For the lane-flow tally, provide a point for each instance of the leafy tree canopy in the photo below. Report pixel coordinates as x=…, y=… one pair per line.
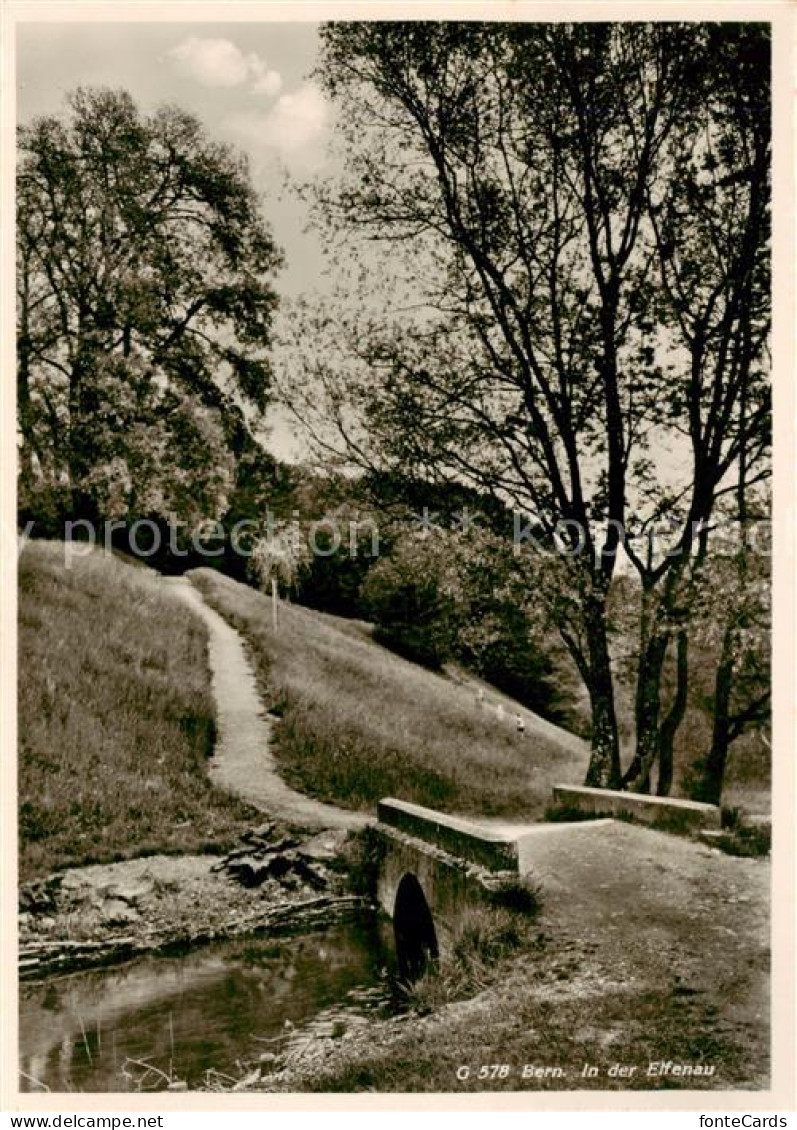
x=583, y=210
x=145, y=304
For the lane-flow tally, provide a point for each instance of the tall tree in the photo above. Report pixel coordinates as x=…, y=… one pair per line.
x=587, y=207
x=710, y=219
x=145, y=303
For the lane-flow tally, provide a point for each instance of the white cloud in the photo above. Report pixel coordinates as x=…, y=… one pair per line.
x=213, y=62
x=218, y=62
x=295, y=126
x=264, y=81
x=269, y=83
x=297, y=120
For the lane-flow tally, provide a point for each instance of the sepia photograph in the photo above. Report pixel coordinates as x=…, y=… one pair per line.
x=394, y=553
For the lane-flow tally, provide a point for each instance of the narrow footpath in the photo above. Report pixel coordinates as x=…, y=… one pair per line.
x=243, y=763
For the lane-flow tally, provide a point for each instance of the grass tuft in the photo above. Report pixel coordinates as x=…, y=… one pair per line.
x=518, y=893
x=569, y=814
x=485, y=936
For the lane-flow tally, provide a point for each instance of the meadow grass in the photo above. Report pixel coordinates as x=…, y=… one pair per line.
x=116, y=717
x=525, y=1022
x=482, y=939
x=357, y=722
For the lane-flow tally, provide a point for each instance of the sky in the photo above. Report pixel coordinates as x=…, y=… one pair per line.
x=250, y=84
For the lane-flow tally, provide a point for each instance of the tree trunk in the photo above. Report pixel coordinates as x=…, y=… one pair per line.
x=604, y=764
x=23, y=382
x=709, y=789
x=24, y=407
x=648, y=712
x=675, y=717
x=81, y=432
x=647, y=709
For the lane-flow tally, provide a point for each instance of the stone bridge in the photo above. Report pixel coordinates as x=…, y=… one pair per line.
x=434, y=867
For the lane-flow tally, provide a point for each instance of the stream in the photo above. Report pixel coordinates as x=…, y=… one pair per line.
x=204, y=1010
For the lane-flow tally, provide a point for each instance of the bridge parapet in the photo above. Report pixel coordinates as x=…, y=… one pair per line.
x=661, y=812
x=482, y=846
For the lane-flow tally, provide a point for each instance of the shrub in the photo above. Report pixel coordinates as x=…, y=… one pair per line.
x=362, y=855
x=412, y=606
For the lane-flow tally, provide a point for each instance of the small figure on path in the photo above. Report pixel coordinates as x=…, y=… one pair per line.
x=520, y=722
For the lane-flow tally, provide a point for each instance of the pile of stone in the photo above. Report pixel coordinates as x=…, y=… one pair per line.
x=40, y=896
x=268, y=854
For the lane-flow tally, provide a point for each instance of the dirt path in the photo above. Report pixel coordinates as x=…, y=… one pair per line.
x=662, y=914
x=243, y=763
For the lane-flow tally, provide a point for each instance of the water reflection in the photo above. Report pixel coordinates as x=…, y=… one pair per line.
x=207, y=1009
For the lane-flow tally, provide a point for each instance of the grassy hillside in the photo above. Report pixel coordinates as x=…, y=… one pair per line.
x=358, y=722
x=115, y=716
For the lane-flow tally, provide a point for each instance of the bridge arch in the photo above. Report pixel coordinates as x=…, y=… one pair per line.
x=413, y=928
